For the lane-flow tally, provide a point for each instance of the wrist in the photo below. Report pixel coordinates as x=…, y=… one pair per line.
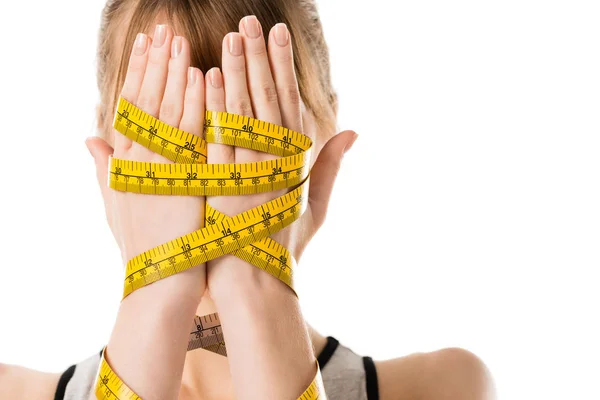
x=256, y=308
x=234, y=281
x=185, y=288
x=151, y=334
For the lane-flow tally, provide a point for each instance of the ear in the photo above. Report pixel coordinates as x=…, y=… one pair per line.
x=324, y=172
x=101, y=151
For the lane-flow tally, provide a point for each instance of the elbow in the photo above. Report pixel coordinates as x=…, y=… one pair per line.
x=456, y=373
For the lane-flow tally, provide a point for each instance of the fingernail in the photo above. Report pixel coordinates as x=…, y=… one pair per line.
x=176, y=46
x=192, y=76
x=349, y=145
x=216, y=79
x=282, y=35
x=235, y=44
x=252, y=26
x=141, y=42
x=160, y=34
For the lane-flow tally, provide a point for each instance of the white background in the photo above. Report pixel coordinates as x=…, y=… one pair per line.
x=478, y=224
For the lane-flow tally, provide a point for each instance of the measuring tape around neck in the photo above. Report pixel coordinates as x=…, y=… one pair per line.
x=245, y=235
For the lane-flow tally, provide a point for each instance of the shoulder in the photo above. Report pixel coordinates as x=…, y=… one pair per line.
x=447, y=374
x=26, y=384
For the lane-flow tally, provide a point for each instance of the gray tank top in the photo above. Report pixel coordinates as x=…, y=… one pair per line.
x=346, y=376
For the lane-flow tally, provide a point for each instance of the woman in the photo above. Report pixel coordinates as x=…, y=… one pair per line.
x=269, y=74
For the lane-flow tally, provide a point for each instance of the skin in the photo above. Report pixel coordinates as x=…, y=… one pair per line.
x=257, y=80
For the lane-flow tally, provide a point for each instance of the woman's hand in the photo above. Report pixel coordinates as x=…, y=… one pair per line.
x=152, y=326
x=159, y=81
x=259, y=81
x=268, y=345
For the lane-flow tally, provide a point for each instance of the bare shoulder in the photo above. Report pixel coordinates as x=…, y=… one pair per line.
x=448, y=374
x=26, y=384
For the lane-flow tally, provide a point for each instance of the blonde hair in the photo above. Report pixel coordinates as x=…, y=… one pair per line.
x=204, y=23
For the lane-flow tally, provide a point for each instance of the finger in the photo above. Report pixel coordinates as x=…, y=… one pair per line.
x=133, y=79
x=258, y=72
x=192, y=120
x=281, y=58
x=324, y=173
x=215, y=92
x=155, y=78
x=215, y=101
x=217, y=153
x=237, y=97
x=171, y=108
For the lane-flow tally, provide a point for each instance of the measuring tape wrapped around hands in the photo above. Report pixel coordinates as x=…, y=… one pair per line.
x=245, y=235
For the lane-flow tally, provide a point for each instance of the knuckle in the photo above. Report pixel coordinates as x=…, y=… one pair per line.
x=148, y=103
x=170, y=111
x=258, y=51
x=236, y=68
x=292, y=94
x=284, y=58
x=158, y=59
x=269, y=93
x=136, y=67
x=215, y=105
x=240, y=106
x=192, y=96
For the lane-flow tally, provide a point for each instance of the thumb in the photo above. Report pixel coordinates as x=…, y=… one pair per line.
x=324, y=172
x=100, y=151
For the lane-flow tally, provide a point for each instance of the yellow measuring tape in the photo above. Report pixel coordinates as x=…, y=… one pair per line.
x=245, y=235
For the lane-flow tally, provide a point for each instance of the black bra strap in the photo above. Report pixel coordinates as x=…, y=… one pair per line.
x=328, y=350
x=62, y=383
x=371, y=375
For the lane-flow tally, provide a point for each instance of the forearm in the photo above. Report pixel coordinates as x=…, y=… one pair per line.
x=268, y=346
x=149, y=341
